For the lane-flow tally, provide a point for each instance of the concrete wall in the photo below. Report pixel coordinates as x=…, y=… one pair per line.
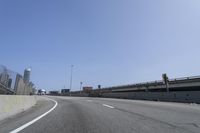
x=12, y=104
x=176, y=96
x=83, y=94
x=173, y=96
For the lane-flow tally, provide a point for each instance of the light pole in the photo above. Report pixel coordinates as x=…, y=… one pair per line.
x=81, y=86
x=70, y=87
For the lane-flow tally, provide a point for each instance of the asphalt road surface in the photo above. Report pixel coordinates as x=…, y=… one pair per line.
x=101, y=115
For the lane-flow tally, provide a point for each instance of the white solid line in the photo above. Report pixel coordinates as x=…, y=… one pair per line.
x=108, y=106
x=36, y=119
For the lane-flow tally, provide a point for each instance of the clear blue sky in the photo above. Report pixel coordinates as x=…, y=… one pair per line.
x=110, y=42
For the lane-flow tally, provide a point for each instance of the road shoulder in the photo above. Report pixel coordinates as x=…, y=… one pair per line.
x=15, y=121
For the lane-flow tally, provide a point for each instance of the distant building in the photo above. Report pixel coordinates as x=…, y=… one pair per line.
x=87, y=89
x=65, y=91
x=99, y=86
x=21, y=88
x=27, y=74
x=53, y=92
x=17, y=80
x=9, y=83
x=4, y=78
x=12, y=82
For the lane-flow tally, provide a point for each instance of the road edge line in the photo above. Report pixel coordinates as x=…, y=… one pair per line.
x=36, y=119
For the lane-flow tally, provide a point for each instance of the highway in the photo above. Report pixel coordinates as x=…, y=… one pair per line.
x=101, y=115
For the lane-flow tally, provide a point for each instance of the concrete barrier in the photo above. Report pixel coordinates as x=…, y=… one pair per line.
x=175, y=96
x=13, y=104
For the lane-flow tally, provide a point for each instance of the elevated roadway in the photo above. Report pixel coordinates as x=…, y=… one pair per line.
x=5, y=90
x=101, y=115
x=178, y=84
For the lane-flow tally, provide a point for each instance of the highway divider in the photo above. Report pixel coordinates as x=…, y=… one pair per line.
x=13, y=104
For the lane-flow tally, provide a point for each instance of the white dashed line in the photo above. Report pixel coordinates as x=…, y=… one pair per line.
x=89, y=100
x=36, y=119
x=108, y=106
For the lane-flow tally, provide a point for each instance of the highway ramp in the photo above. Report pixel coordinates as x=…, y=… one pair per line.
x=101, y=115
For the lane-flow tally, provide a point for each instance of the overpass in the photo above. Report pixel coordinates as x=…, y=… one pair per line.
x=186, y=89
x=177, y=84
x=5, y=90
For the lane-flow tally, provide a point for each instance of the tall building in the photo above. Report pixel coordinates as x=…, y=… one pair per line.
x=17, y=80
x=27, y=73
x=4, y=78
x=9, y=83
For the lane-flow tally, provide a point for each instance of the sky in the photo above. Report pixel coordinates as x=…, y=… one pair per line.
x=109, y=42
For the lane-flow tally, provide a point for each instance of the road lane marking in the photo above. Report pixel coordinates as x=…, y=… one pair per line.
x=108, y=106
x=89, y=100
x=36, y=119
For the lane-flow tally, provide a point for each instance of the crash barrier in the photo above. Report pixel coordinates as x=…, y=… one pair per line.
x=179, y=96
x=13, y=104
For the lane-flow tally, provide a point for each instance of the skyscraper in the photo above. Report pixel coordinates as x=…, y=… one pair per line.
x=4, y=78
x=27, y=73
x=9, y=83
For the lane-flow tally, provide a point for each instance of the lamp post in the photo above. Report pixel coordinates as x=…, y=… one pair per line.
x=70, y=87
x=81, y=83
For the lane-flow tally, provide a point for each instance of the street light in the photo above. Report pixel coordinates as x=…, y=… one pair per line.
x=81, y=86
x=71, y=77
